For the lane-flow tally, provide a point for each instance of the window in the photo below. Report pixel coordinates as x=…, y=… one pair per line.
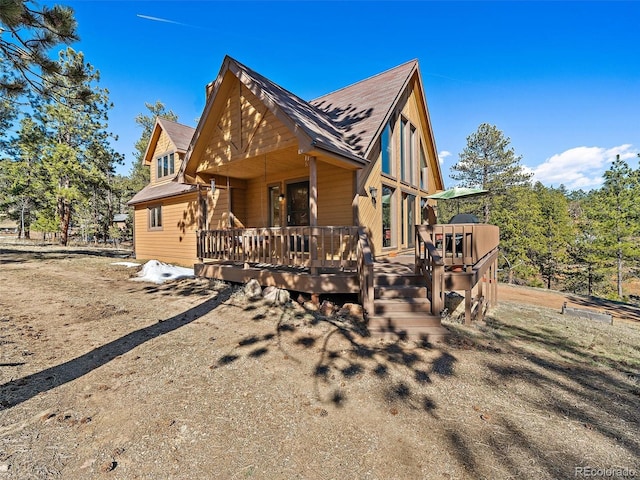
x=386, y=147
x=155, y=217
x=166, y=165
x=424, y=174
x=403, y=149
x=388, y=229
x=274, y=206
x=409, y=218
x=408, y=145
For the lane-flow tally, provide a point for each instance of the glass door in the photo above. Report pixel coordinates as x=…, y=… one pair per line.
x=298, y=204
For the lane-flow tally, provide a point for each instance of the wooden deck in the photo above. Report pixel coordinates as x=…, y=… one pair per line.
x=402, y=296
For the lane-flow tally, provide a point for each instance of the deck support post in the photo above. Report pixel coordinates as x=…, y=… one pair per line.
x=467, y=307
x=313, y=211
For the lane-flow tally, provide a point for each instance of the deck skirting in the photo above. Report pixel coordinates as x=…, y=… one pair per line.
x=299, y=280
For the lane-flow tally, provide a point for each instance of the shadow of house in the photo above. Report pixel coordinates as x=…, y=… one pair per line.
x=22, y=389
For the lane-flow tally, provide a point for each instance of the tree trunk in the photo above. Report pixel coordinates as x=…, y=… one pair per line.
x=64, y=212
x=619, y=266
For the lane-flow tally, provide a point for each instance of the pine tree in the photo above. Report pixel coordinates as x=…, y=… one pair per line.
x=78, y=156
x=618, y=216
x=27, y=33
x=490, y=163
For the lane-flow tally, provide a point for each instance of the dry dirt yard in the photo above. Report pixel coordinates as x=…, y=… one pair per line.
x=102, y=377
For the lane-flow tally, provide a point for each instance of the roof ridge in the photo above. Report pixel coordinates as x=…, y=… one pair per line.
x=415, y=60
x=164, y=119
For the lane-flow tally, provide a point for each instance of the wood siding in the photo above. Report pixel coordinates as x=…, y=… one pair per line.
x=335, y=194
x=245, y=129
x=176, y=241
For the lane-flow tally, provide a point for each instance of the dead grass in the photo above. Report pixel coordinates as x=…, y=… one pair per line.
x=105, y=378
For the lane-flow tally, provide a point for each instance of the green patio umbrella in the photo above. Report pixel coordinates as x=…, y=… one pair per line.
x=458, y=192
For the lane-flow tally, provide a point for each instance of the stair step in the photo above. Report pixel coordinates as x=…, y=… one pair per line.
x=403, y=320
x=400, y=291
x=398, y=280
x=430, y=333
x=394, y=305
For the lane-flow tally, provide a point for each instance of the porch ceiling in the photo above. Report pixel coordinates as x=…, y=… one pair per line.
x=270, y=164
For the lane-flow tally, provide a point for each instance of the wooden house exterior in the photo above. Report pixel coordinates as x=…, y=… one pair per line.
x=304, y=195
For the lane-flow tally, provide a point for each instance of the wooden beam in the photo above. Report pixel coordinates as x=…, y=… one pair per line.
x=313, y=207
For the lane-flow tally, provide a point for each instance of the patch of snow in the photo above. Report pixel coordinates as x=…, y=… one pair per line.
x=158, y=272
x=126, y=264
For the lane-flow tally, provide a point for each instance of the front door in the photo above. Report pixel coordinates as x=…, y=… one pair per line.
x=298, y=204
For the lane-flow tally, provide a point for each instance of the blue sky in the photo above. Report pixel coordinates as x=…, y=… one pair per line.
x=561, y=79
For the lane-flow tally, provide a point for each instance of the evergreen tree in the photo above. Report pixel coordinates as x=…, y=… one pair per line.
x=618, y=215
x=489, y=162
x=518, y=214
x=78, y=157
x=27, y=33
x=551, y=256
x=22, y=178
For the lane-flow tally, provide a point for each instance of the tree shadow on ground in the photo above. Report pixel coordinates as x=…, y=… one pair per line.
x=22, y=389
x=565, y=383
x=346, y=353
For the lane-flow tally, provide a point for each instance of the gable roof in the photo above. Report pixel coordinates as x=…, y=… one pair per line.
x=179, y=134
x=361, y=110
x=345, y=123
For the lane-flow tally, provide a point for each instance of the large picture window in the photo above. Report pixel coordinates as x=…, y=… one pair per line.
x=166, y=165
x=155, y=217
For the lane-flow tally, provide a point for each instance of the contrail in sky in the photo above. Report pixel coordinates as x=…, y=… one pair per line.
x=156, y=19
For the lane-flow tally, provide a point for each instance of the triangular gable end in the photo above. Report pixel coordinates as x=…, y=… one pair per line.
x=430, y=138
x=309, y=126
x=153, y=142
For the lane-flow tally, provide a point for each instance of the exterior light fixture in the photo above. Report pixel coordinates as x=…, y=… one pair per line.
x=281, y=197
x=373, y=191
x=213, y=185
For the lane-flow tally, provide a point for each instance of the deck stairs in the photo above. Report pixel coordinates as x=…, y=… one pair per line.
x=401, y=306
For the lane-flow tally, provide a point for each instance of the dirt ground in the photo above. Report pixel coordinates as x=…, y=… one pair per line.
x=102, y=377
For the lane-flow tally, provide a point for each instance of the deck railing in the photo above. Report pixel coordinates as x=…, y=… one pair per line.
x=444, y=248
x=310, y=247
x=459, y=244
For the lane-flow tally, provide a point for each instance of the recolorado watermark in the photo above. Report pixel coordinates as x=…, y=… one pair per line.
x=609, y=472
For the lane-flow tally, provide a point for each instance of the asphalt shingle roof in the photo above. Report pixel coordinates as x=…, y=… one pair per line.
x=179, y=134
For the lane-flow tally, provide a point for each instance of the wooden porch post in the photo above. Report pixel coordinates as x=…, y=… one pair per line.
x=313, y=211
x=200, y=223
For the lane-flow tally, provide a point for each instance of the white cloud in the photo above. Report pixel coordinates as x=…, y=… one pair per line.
x=442, y=155
x=579, y=167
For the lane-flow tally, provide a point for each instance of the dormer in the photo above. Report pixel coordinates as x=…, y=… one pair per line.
x=166, y=150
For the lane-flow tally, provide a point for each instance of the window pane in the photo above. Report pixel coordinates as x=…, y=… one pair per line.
x=403, y=141
x=411, y=220
x=423, y=170
x=171, y=164
x=159, y=171
x=411, y=163
x=387, y=220
x=274, y=206
x=386, y=150
x=165, y=168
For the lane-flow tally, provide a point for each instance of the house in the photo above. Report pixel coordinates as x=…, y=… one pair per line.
x=300, y=195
